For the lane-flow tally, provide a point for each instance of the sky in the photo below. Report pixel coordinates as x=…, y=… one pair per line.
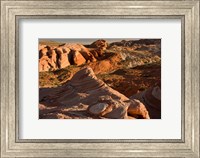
x=86, y=40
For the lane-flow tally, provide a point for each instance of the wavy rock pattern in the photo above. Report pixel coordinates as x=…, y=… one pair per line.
x=97, y=98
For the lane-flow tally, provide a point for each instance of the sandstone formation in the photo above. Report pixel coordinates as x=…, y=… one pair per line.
x=98, y=48
x=78, y=58
x=152, y=46
x=53, y=58
x=151, y=98
x=85, y=96
x=97, y=52
x=99, y=44
x=130, y=43
x=106, y=65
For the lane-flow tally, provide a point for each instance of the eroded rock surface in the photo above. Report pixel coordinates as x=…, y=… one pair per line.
x=85, y=96
x=151, y=98
x=53, y=58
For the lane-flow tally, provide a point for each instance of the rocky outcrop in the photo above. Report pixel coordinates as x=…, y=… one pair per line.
x=53, y=58
x=62, y=57
x=131, y=43
x=98, y=48
x=43, y=51
x=75, y=47
x=137, y=109
x=78, y=58
x=151, y=98
x=96, y=99
x=98, y=52
x=152, y=46
x=106, y=65
x=102, y=44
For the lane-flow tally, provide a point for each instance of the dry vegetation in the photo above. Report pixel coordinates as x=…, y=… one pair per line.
x=127, y=69
x=136, y=71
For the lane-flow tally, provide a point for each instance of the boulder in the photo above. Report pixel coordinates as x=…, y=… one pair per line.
x=137, y=108
x=118, y=113
x=78, y=59
x=98, y=109
x=151, y=99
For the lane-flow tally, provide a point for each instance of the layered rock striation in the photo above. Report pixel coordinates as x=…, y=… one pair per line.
x=96, y=99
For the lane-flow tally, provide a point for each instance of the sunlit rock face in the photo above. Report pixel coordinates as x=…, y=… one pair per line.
x=53, y=58
x=85, y=96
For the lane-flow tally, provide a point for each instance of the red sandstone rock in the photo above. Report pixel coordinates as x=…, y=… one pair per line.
x=99, y=44
x=99, y=100
x=48, y=62
x=62, y=57
x=78, y=58
x=43, y=52
x=151, y=98
x=53, y=58
x=106, y=65
x=137, y=108
x=43, y=64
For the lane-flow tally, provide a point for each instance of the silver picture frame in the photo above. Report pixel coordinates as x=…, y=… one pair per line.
x=13, y=11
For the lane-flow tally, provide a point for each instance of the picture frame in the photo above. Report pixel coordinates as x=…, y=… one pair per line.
x=13, y=11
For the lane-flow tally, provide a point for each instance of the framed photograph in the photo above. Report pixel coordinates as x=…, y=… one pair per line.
x=100, y=78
